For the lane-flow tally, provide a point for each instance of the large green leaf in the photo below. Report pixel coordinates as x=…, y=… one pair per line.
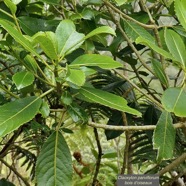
x=154, y=47
x=101, y=61
x=68, y=38
x=107, y=99
x=18, y=37
x=16, y=113
x=159, y=72
x=174, y=100
x=32, y=25
x=76, y=77
x=134, y=31
x=176, y=46
x=4, y=182
x=48, y=43
x=23, y=79
x=180, y=9
x=101, y=30
x=54, y=164
x=164, y=137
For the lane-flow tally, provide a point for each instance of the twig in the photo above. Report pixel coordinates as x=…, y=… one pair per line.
x=141, y=91
x=15, y=172
x=126, y=16
x=172, y=165
x=98, y=162
x=131, y=128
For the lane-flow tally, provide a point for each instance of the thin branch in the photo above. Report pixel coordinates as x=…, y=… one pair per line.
x=174, y=164
x=15, y=172
x=126, y=16
x=141, y=91
x=131, y=128
x=98, y=162
x=129, y=42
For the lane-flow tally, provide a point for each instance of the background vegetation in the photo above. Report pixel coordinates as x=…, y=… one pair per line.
x=91, y=89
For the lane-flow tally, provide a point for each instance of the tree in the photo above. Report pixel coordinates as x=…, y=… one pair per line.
x=69, y=68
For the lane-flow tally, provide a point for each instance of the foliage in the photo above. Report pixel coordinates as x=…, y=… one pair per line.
x=68, y=66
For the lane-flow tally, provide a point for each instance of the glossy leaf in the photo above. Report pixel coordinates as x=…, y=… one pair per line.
x=11, y=6
x=44, y=109
x=68, y=38
x=180, y=9
x=54, y=164
x=48, y=43
x=18, y=37
x=164, y=137
x=134, y=31
x=154, y=47
x=77, y=113
x=101, y=61
x=108, y=99
x=159, y=72
x=30, y=63
x=174, y=100
x=23, y=79
x=32, y=25
x=66, y=98
x=101, y=30
x=76, y=77
x=16, y=113
x=176, y=46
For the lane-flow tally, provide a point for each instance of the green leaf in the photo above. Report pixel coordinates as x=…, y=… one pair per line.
x=54, y=164
x=108, y=99
x=180, y=9
x=159, y=72
x=76, y=77
x=16, y=113
x=66, y=98
x=18, y=37
x=77, y=113
x=44, y=109
x=134, y=31
x=164, y=137
x=54, y=2
x=48, y=43
x=68, y=38
x=174, y=100
x=32, y=25
x=23, y=79
x=121, y=2
x=30, y=63
x=101, y=30
x=154, y=47
x=4, y=182
x=11, y=6
x=101, y=61
x=176, y=46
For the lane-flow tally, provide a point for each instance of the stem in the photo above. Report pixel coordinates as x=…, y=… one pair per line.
x=98, y=162
x=8, y=92
x=15, y=172
x=129, y=42
x=174, y=164
x=126, y=16
x=131, y=128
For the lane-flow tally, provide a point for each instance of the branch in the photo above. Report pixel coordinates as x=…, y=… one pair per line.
x=15, y=172
x=131, y=128
x=126, y=16
x=172, y=165
x=98, y=162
